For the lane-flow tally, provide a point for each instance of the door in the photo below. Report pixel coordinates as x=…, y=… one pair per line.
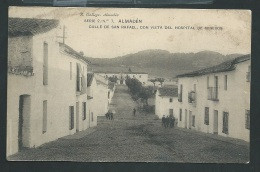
x=24, y=121
x=77, y=116
x=186, y=118
x=171, y=112
x=190, y=114
x=215, y=124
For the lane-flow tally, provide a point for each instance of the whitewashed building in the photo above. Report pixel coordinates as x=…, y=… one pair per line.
x=121, y=76
x=46, y=92
x=92, y=102
x=217, y=99
x=166, y=101
x=102, y=95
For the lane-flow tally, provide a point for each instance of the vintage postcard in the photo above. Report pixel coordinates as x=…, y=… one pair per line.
x=128, y=85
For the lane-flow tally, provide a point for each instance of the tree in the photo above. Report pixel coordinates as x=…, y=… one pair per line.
x=145, y=93
x=113, y=79
x=153, y=81
x=161, y=80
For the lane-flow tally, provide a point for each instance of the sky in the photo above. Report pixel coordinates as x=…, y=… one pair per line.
x=235, y=36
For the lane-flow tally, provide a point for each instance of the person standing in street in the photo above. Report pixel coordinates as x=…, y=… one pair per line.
x=134, y=111
x=164, y=121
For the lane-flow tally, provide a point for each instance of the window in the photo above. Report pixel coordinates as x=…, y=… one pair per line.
x=92, y=116
x=225, y=123
x=44, y=118
x=206, y=117
x=225, y=82
x=78, y=77
x=70, y=70
x=171, y=112
x=71, y=118
x=170, y=100
x=207, y=81
x=180, y=94
x=247, y=120
x=45, y=63
x=84, y=110
x=108, y=94
x=193, y=120
x=180, y=114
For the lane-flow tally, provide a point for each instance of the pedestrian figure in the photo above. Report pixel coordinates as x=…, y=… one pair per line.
x=164, y=121
x=134, y=111
x=107, y=115
x=111, y=116
x=167, y=121
x=172, y=120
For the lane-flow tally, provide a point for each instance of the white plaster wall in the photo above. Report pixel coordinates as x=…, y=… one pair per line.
x=60, y=93
x=93, y=103
x=162, y=105
x=235, y=100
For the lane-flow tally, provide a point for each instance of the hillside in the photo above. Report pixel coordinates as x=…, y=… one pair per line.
x=160, y=63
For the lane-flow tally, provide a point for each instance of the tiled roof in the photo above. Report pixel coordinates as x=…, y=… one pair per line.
x=223, y=67
x=74, y=53
x=101, y=80
x=30, y=26
x=90, y=77
x=168, y=91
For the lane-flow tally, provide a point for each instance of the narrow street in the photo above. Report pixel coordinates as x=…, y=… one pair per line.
x=140, y=138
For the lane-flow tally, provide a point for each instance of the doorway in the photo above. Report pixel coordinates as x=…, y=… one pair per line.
x=171, y=112
x=186, y=118
x=215, y=124
x=77, y=116
x=24, y=121
x=190, y=114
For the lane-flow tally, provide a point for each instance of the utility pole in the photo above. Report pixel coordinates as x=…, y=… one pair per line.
x=63, y=35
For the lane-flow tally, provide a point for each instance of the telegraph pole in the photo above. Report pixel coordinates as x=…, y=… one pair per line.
x=63, y=34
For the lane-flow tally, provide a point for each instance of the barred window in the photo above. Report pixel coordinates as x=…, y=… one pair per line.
x=247, y=120
x=206, y=117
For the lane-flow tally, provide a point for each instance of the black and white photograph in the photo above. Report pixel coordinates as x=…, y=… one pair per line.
x=128, y=85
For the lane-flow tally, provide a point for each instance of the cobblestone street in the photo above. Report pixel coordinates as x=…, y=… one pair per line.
x=140, y=138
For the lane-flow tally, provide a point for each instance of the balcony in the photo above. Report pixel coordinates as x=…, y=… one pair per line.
x=192, y=98
x=213, y=93
x=180, y=97
x=248, y=76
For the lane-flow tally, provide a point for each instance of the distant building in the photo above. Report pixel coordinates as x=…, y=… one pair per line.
x=121, y=76
x=217, y=99
x=111, y=90
x=46, y=95
x=166, y=101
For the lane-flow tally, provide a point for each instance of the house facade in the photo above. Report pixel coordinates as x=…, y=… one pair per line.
x=92, y=102
x=166, y=101
x=46, y=95
x=217, y=99
x=121, y=76
x=102, y=91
